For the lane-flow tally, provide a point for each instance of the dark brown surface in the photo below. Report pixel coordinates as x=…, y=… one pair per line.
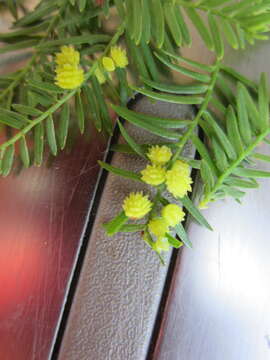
x=42, y=214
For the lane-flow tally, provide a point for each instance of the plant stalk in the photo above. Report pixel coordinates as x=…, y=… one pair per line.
x=195, y=122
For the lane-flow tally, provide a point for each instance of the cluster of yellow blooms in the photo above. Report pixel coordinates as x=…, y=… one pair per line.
x=117, y=58
x=178, y=182
x=172, y=215
x=69, y=74
x=177, y=179
x=136, y=206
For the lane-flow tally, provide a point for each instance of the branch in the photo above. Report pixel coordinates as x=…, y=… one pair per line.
x=203, y=107
x=65, y=98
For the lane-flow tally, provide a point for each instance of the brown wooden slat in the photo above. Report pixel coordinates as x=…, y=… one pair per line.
x=42, y=215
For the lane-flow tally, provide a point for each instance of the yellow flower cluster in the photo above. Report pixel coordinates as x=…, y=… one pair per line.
x=136, y=205
x=158, y=227
x=67, y=56
x=172, y=215
x=178, y=180
x=108, y=63
x=69, y=75
x=117, y=58
x=159, y=154
x=153, y=174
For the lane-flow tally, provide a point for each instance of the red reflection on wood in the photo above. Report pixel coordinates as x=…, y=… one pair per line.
x=42, y=214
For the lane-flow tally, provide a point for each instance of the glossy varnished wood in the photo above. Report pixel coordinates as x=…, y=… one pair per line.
x=42, y=217
x=43, y=212
x=218, y=304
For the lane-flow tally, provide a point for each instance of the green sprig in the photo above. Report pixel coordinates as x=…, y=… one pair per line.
x=233, y=111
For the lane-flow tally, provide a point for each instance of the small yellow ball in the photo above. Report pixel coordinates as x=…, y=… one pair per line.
x=153, y=175
x=172, y=214
x=158, y=227
x=69, y=76
x=162, y=244
x=108, y=63
x=136, y=205
x=68, y=73
x=68, y=55
x=119, y=56
x=178, y=184
x=159, y=155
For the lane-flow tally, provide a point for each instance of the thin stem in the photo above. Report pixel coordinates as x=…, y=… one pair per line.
x=50, y=111
x=195, y=122
x=233, y=165
x=155, y=203
x=65, y=98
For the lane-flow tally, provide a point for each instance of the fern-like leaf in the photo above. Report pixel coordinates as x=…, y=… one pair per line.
x=242, y=138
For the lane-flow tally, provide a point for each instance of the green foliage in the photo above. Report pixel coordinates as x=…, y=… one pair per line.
x=36, y=115
x=43, y=109
x=232, y=139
